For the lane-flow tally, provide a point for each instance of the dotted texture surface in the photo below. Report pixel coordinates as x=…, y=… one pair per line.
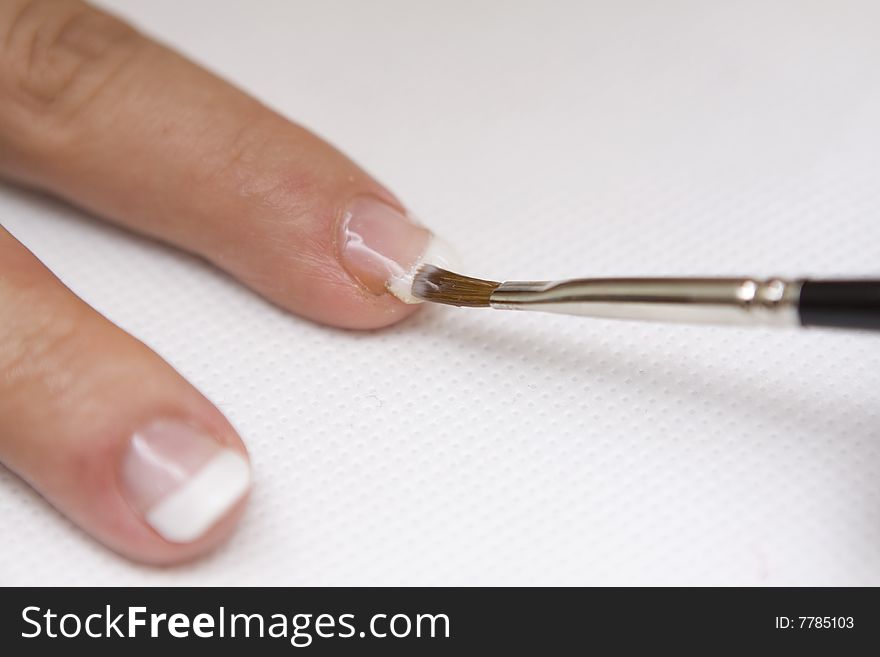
x=465, y=447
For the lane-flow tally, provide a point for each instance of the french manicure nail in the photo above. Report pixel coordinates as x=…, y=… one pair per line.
x=382, y=248
x=181, y=480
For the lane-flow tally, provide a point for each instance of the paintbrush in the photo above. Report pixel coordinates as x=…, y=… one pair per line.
x=853, y=304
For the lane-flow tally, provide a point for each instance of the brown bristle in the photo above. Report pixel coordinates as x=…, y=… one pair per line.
x=440, y=286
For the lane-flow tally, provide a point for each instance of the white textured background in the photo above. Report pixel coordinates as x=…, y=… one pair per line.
x=543, y=139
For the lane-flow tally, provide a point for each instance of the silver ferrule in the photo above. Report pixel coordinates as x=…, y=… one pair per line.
x=744, y=301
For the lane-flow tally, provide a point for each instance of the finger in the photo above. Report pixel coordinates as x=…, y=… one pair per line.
x=106, y=430
x=97, y=113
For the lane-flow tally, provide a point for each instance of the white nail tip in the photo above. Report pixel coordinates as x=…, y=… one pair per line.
x=188, y=512
x=437, y=253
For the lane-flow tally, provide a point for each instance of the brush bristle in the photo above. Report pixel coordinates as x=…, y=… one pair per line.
x=440, y=286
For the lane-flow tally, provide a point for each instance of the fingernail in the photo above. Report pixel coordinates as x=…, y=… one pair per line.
x=181, y=480
x=382, y=248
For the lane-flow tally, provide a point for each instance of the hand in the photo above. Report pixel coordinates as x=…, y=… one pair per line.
x=93, y=111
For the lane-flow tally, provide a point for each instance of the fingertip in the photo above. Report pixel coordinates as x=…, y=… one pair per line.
x=363, y=277
x=181, y=480
x=161, y=491
x=344, y=259
x=107, y=431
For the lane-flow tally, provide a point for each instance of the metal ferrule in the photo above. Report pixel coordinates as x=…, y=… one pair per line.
x=745, y=301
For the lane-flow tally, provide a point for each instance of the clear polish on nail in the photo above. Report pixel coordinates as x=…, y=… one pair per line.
x=181, y=480
x=382, y=248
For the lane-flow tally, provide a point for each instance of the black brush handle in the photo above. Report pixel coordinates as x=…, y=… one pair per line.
x=853, y=304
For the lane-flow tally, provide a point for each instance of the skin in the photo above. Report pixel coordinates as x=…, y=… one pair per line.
x=206, y=169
